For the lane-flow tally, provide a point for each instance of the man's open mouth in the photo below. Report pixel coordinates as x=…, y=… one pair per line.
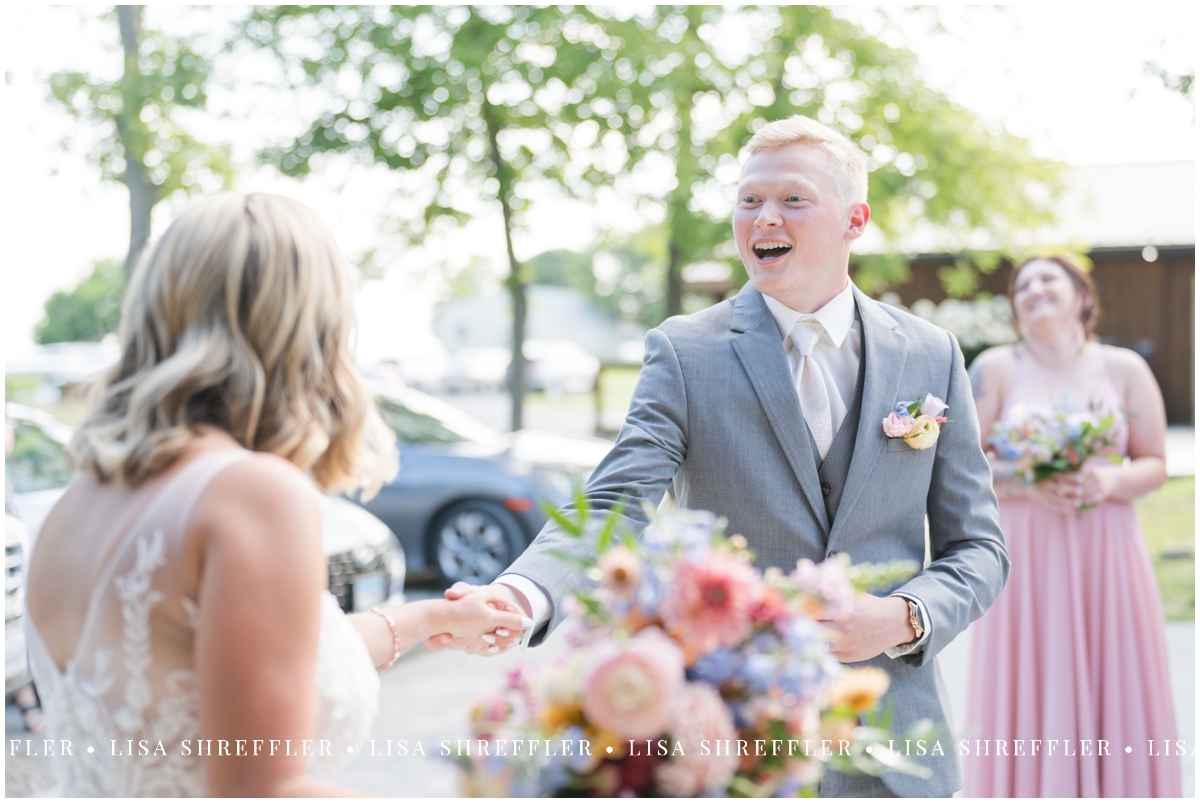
x=769, y=250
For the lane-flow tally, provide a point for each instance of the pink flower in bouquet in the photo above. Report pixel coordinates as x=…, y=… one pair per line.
x=828, y=582
x=708, y=603
x=633, y=690
x=621, y=571
x=896, y=425
x=700, y=714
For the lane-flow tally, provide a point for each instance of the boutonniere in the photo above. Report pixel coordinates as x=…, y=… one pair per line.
x=917, y=423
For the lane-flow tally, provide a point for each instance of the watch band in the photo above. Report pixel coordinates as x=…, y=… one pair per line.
x=914, y=619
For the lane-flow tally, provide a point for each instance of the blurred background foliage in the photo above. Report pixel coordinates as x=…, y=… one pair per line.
x=138, y=117
x=87, y=312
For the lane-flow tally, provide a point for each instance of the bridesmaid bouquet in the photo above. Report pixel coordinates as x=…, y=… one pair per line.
x=691, y=673
x=1047, y=441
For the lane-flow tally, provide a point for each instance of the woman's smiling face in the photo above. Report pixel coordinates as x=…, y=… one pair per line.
x=791, y=223
x=1043, y=292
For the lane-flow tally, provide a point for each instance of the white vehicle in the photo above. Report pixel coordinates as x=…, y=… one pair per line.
x=366, y=562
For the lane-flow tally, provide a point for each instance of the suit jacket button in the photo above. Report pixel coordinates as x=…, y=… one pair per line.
x=826, y=488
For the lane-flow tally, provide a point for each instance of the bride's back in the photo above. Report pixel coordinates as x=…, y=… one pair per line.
x=192, y=506
x=111, y=627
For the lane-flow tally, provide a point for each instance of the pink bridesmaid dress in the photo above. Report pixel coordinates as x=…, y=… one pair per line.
x=1073, y=650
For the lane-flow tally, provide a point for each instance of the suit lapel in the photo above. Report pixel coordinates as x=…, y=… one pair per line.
x=760, y=350
x=885, y=350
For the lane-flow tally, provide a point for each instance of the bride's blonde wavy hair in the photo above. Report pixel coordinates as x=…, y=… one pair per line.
x=241, y=318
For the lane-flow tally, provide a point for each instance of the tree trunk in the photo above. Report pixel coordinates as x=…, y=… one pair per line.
x=142, y=193
x=516, y=287
x=680, y=215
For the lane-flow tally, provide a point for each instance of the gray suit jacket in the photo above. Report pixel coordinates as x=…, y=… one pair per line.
x=715, y=411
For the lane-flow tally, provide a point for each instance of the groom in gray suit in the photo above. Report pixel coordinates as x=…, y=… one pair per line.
x=768, y=409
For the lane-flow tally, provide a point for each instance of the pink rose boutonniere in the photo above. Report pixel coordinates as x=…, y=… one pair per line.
x=917, y=423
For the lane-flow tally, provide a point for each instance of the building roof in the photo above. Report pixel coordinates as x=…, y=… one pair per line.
x=1130, y=205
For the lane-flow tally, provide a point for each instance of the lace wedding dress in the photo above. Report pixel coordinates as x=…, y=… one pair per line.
x=130, y=686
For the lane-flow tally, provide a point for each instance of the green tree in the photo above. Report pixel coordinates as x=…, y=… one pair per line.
x=484, y=103
x=143, y=144
x=693, y=94
x=89, y=311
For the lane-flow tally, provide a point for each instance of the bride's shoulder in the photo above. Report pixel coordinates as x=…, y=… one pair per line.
x=261, y=498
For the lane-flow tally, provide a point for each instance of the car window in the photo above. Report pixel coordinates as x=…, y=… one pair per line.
x=412, y=426
x=38, y=461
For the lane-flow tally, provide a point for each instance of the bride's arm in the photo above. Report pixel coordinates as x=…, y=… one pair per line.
x=256, y=545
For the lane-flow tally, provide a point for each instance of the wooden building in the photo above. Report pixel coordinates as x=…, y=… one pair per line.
x=1139, y=224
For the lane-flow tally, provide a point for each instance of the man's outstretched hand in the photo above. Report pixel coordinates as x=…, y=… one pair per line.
x=502, y=597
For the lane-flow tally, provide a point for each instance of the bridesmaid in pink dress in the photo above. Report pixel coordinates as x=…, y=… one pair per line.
x=1074, y=649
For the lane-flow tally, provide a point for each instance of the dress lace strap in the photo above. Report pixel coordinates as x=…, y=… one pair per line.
x=200, y=473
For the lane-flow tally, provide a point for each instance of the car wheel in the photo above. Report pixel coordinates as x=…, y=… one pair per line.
x=474, y=541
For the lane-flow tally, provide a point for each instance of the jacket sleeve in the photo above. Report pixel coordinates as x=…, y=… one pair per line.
x=651, y=445
x=968, y=561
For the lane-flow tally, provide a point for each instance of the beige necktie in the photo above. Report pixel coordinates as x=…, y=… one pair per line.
x=814, y=396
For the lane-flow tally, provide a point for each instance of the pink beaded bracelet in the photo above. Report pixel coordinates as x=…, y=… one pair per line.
x=395, y=638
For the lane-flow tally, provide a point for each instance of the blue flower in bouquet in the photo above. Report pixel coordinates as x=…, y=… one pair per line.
x=760, y=671
x=717, y=666
x=690, y=529
x=577, y=763
x=650, y=592
x=902, y=408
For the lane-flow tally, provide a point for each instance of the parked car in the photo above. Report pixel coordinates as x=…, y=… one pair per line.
x=366, y=562
x=559, y=366
x=466, y=501
x=16, y=664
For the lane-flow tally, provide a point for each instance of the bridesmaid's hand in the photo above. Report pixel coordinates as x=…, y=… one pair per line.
x=1092, y=485
x=1056, y=493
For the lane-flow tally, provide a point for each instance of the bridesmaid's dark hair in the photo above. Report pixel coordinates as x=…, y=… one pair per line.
x=1089, y=312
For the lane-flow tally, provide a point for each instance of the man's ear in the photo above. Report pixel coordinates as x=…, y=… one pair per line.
x=856, y=224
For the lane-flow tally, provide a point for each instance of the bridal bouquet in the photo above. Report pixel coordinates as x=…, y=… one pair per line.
x=1045, y=441
x=691, y=673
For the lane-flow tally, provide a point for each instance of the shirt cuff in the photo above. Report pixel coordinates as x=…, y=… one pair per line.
x=916, y=646
x=539, y=605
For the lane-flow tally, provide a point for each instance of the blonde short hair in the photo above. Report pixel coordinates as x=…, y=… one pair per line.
x=849, y=165
x=241, y=318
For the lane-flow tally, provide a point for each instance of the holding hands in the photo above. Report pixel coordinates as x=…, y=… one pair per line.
x=478, y=619
x=482, y=633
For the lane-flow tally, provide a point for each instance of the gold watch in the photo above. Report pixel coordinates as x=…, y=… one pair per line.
x=914, y=619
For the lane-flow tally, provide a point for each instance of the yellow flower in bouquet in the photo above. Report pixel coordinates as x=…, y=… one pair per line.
x=859, y=689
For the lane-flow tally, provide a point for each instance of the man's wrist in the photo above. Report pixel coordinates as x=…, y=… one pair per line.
x=519, y=598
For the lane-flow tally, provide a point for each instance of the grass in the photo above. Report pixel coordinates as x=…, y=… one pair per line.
x=616, y=389
x=1168, y=518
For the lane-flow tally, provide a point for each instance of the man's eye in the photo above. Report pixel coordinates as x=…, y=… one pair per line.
x=794, y=199
x=749, y=199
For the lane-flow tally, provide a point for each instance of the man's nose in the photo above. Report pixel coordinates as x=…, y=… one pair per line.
x=768, y=216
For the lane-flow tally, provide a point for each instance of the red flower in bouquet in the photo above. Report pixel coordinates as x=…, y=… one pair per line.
x=709, y=602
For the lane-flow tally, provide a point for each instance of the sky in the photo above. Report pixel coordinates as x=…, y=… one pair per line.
x=1071, y=79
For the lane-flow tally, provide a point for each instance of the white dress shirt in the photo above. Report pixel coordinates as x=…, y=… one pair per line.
x=836, y=356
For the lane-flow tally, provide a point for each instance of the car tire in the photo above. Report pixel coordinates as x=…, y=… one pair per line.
x=474, y=541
